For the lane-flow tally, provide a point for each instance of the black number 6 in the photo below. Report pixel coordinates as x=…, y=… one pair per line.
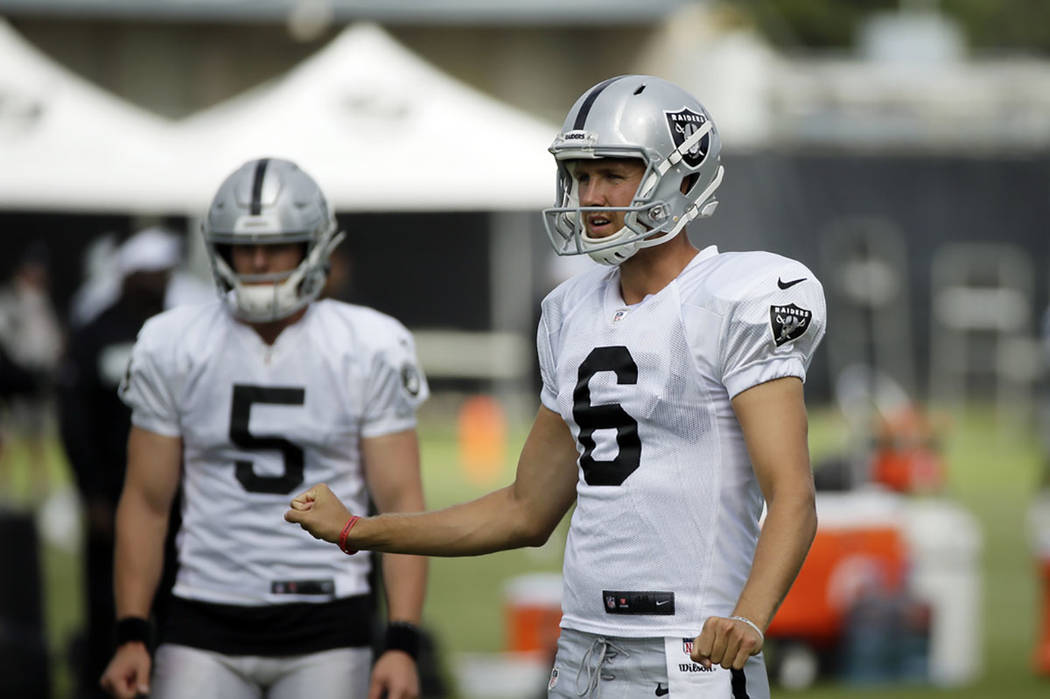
x=608, y=416
x=243, y=398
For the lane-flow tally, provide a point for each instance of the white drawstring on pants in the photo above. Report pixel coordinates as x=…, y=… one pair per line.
x=602, y=649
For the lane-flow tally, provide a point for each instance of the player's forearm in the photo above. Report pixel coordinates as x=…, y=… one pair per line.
x=404, y=577
x=139, y=555
x=791, y=523
x=405, y=580
x=493, y=522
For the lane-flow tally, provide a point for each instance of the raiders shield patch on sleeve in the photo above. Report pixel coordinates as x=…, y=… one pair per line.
x=410, y=379
x=788, y=322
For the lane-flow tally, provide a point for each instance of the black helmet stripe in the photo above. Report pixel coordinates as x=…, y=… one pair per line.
x=257, y=183
x=585, y=108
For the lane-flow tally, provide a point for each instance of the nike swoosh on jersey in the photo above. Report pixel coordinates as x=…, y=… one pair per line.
x=787, y=285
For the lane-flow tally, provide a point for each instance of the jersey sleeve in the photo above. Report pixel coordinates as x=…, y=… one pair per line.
x=772, y=332
x=397, y=386
x=545, y=354
x=147, y=386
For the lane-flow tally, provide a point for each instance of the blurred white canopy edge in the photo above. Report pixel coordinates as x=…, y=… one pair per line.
x=68, y=145
x=379, y=128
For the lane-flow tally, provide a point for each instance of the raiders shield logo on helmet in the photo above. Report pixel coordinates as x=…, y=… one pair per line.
x=788, y=322
x=684, y=124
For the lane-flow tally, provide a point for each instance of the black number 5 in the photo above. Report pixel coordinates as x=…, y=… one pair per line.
x=608, y=416
x=243, y=398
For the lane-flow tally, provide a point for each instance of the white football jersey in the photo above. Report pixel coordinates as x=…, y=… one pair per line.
x=259, y=424
x=667, y=508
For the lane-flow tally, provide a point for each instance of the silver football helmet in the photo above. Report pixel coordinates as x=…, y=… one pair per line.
x=269, y=201
x=644, y=117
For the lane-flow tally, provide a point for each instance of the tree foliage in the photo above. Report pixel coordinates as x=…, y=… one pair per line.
x=1003, y=24
x=989, y=25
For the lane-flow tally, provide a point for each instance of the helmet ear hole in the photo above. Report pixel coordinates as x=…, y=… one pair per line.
x=225, y=251
x=689, y=182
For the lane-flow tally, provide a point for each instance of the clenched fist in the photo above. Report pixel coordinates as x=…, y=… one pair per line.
x=127, y=675
x=319, y=512
x=727, y=642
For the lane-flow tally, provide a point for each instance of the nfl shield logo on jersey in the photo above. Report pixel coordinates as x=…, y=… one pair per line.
x=788, y=322
x=687, y=646
x=683, y=124
x=553, y=681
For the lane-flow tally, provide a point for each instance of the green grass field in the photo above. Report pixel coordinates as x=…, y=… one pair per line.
x=993, y=468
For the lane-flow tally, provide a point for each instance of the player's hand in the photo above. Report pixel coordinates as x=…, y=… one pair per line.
x=319, y=512
x=395, y=674
x=725, y=642
x=127, y=675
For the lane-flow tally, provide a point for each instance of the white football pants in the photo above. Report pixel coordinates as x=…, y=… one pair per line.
x=181, y=672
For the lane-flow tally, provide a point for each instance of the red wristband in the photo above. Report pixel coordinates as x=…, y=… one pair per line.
x=343, y=534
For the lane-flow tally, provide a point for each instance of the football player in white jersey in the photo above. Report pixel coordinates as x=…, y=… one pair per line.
x=672, y=410
x=241, y=403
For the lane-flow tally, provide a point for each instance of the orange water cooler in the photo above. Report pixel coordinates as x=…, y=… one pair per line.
x=533, y=613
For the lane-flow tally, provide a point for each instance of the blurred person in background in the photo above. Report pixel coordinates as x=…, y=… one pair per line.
x=672, y=408
x=103, y=280
x=32, y=338
x=14, y=383
x=94, y=426
x=239, y=402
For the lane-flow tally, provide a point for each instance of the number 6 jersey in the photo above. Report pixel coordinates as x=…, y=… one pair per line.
x=667, y=510
x=260, y=423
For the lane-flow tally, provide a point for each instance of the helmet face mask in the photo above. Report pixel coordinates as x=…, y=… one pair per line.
x=656, y=122
x=645, y=223
x=269, y=202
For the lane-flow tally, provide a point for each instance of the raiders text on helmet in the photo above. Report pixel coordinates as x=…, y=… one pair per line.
x=270, y=201
x=644, y=117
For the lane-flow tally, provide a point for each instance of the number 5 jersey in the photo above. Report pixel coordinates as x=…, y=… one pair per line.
x=260, y=423
x=667, y=510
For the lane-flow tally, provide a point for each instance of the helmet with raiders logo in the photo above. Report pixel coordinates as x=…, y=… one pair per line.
x=269, y=201
x=663, y=126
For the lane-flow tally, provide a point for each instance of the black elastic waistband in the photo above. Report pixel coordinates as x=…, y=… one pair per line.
x=271, y=630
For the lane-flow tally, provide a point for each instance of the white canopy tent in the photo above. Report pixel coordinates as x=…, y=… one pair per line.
x=378, y=127
x=68, y=145
x=381, y=130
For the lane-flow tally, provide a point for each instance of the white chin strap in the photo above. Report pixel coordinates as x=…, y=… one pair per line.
x=268, y=302
x=273, y=297
x=614, y=255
